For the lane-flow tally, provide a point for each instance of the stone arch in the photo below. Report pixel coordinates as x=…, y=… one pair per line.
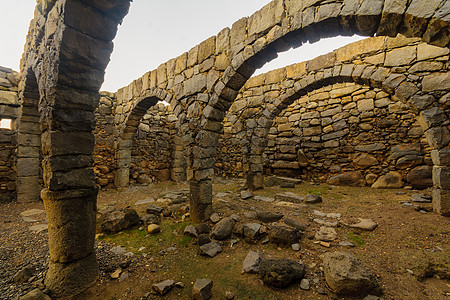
x=125, y=141
x=132, y=111
x=68, y=47
x=414, y=91
x=207, y=78
x=280, y=25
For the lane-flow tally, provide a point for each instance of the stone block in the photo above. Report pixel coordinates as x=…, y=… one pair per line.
x=122, y=177
x=441, y=201
x=9, y=98
x=431, y=117
x=68, y=279
x=76, y=179
x=438, y=137
x=67, y=143
x=441, y=177
x=200, y=194
x=267, y=17
x=28, y=189
x=416, y=17
x=238, y=31
x=371, y=45
x=195, y=84
x=321, y=62
x=71, y=227
x=436, y=82
x=90, y=21
x=365, y=105
x=400, y=57
x=28, y=167
x=206, y=49
x=441, y=157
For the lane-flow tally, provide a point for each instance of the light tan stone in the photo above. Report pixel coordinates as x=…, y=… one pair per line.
x=400, y=57
x=371, y=45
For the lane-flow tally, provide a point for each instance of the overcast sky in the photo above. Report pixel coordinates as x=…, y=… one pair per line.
x=154, y=32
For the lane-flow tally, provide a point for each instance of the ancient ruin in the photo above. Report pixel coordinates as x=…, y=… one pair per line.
x=374, y=113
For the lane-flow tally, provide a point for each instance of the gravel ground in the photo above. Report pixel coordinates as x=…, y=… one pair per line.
x=22, y=248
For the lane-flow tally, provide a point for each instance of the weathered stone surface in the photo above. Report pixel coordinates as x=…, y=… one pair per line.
x=365, y=224
x=294, y=223
x=326, y=234
x=223, y=229
x=284, y=235
x=268, y=216
x=441, y=201
x=391, y=180
x=190, y=231
x=288, y=196
x=354, y=178
x=117, y=220
x=202, y=289
x=23, y=275
x=365, y=160
x=35, y=294
x=251, y=231
x=153, y=228
x=150, y=219
x=420, y=177
x=163, y=287
x=252, y=261
x=313, y=199
x=346, y=275
x=210, y=249
x=280, y=273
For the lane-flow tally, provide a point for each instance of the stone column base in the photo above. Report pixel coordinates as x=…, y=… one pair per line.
x=200, y=194
x=67, y=280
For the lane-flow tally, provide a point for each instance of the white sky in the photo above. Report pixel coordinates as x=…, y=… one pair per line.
x=154, y=32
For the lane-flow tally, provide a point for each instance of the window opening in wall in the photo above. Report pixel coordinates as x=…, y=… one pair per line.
x=6, y=124
x=307, y=52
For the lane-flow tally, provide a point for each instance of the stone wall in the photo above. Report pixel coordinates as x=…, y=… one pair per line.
x=339, y=128
x=9, y=103
x=157, y=150
x=331, y=129
x=105, y=141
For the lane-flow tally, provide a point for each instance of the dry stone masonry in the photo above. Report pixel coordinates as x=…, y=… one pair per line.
x=357, y=127
x=69, y=45
x=9, y=110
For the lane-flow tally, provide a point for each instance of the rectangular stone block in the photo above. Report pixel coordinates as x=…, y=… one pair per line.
x=28, y=189
x=76, y=179
x=441, y=157
x=441, y=177
x=441, y=201
x=9, y=98
x=90, y=21
x=267, y=17
x=31, y=140
x=28, y=167
x=71, y=227
x=67, y=143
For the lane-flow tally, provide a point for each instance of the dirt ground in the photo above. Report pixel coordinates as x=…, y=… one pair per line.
x=409, y=251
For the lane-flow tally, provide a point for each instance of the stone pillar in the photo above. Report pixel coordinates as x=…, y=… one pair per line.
x=441, y=181
x=200, y=195
x=122, y=175
x=254, y=181
x=73, y=264
x=28, y=142
x=28, y=165
x=70, y=201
